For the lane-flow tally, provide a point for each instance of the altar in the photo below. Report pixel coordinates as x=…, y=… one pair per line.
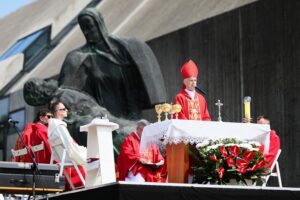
x=175, y=135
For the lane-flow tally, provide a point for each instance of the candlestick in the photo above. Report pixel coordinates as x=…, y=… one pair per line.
x=247, y=109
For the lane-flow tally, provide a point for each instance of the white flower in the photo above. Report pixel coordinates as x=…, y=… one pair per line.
x=245, y=145
x=214, y=146
x=230, y=144
x=202, y=144
x=254, y=149
x=255, y=143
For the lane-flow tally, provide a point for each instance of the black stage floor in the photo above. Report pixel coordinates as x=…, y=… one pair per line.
x=157, y=191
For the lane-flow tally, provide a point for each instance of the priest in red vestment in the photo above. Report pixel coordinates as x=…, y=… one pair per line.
x=34, y=134
x=274, y=142
x=132, y=166
x=193, y=104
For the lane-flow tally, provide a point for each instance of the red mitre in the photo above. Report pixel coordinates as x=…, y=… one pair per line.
x=189, y=69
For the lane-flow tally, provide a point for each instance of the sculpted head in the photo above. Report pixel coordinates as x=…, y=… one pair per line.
x=92, y=25
x=38, y=91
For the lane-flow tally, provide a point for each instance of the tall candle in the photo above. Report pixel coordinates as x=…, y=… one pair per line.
x=247, y=101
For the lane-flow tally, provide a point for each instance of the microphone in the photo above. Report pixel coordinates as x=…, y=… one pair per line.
x=11, y=121
x=200, y=90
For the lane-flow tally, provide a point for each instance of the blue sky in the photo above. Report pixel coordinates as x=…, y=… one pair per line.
x=8, y=6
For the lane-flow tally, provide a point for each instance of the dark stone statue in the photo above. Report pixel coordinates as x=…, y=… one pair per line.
x=122, y=75
x=108, y=76
x=82, y=107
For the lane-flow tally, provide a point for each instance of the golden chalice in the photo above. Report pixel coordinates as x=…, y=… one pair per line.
x=166, y=108
x=158, y=110
x=176, y=108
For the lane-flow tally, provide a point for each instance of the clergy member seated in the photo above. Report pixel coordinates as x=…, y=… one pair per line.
x=274, y=142
x=193, y=104
x=58, y=129
x=132, y=166
x=34, y=134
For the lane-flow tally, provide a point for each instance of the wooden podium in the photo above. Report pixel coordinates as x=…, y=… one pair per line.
x=100, y=167
x=177, y=162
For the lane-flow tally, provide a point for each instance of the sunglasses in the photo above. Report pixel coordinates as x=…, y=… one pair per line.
x=49, y=116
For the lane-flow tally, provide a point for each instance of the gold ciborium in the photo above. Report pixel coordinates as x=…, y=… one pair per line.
x=158, y=110
x=176, y=108
x=166, y=108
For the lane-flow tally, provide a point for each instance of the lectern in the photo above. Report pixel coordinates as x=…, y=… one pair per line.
x=100, y=167
x=177, y=163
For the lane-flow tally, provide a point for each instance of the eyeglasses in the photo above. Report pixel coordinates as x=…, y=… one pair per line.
x=49, y=116
x=62, y=109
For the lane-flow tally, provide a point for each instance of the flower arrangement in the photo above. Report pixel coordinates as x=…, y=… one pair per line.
x=220, y=161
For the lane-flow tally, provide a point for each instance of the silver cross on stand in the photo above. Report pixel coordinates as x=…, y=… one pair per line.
x=219, y=104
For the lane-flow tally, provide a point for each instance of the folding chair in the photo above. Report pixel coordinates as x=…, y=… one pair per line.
x=276, y=173
x=23, y=152
x=19, y=152
x=59, y=153
x=38, y=147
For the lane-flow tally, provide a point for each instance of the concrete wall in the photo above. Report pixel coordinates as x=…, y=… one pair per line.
x=131, y=18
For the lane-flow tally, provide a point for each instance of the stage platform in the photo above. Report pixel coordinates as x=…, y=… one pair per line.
x=157, y=191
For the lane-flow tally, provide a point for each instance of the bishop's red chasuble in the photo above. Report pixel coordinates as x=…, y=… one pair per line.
x=192, y=109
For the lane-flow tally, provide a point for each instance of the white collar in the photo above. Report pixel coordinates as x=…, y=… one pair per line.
x=190, y=93
x=56, y=122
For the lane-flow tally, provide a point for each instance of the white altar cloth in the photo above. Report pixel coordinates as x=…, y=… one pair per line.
x=192, y=132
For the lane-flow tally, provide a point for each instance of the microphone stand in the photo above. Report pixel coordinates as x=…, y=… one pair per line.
x=34, y=166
